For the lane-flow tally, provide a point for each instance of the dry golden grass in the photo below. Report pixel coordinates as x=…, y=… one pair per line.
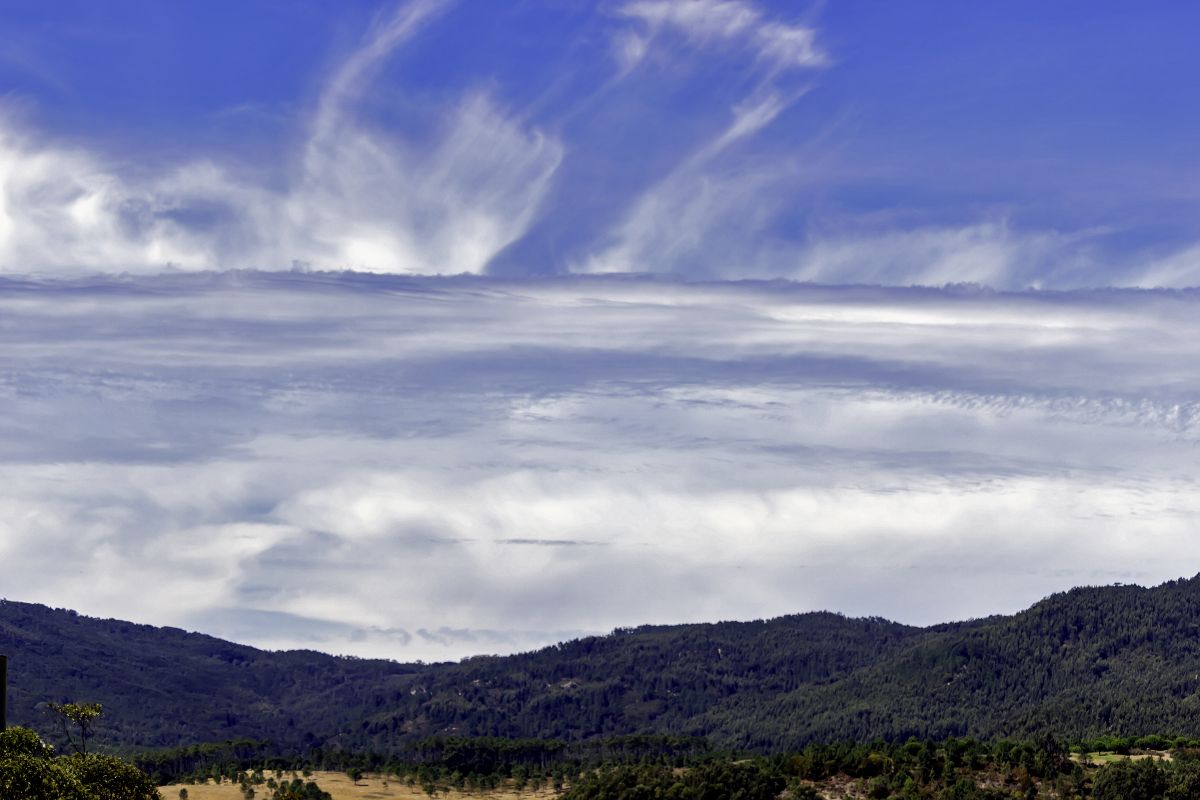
x=341, y=787
x=1099, y=759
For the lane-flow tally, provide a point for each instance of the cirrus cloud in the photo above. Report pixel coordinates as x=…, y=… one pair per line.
x=358, y=196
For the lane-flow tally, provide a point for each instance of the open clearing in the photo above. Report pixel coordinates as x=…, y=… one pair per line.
x=375, y=787
x=342, y=788
x=1105, y=757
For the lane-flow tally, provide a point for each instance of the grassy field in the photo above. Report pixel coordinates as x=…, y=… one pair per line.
x=340, y=786
x=1102, y=758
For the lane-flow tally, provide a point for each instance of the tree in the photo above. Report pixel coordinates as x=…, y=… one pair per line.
x=23, y=742
x=299, y=790
x=83, y=715
x=1130, y=780
x=32, y=778
x=110, y=778
x=29, y=770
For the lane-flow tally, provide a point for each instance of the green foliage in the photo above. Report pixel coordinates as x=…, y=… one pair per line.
x=956, y=769
x=23, y=742
x=32, y=778
x=1130, y=780
x=110, y=778
x=162, y=687
x=717, y=781
x=76, y=715
x=297, y=789
x=1184, y=780
x=199, y=759
x=29, y=771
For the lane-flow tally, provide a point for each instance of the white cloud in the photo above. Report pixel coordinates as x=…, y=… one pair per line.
x=62, y=209
x=778, y=44
x=372, y=206
x=370, y=201
x=672, y=225
x=346, y=461
x=717, y=224
x=359, y=197
x=629, y=48
x=990, y=252
x=1178, y=269
x=727, y=199
x=347, y=83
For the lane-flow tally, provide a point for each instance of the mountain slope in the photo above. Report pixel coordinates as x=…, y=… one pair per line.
x=1118, y=659
x=162, y=686
x=654, y=679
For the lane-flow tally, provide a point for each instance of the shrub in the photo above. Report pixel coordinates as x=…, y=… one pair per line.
x=32, y=778
x=29, y=771
x=23, y=742
x=1130, y=780
x=110, y=778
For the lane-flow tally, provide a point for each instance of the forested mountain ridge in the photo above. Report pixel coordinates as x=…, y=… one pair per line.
x=652, y=679
x=1117, y=659
x=1082, y=663
x=164, y=686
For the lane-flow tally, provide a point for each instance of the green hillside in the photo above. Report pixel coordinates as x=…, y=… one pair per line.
x=1089, y=662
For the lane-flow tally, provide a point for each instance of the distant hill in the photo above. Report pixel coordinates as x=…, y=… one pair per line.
x=1118, y=659
x=166, y=687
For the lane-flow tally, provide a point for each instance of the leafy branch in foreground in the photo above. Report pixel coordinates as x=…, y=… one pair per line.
x=80, y=715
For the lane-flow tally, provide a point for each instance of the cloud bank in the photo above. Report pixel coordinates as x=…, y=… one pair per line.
x=429, y=468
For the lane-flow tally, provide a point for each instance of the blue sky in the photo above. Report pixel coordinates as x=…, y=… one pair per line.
x=1016, y=145
x=432, y=328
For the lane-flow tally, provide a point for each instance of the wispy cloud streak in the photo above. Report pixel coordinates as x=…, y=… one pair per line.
x=778, y=44
x=357, y=197
x=676, y=225
x=670, y=226
x=702, y=152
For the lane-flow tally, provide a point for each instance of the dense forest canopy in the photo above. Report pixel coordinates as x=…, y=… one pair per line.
x=1119, y=660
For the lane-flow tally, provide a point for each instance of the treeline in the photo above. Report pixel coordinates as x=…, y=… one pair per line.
x=662, y=768
x=956, y=769
x=471, y=762
x=218, y=759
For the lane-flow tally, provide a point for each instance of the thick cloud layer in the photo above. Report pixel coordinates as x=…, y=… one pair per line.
x=427, y=468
